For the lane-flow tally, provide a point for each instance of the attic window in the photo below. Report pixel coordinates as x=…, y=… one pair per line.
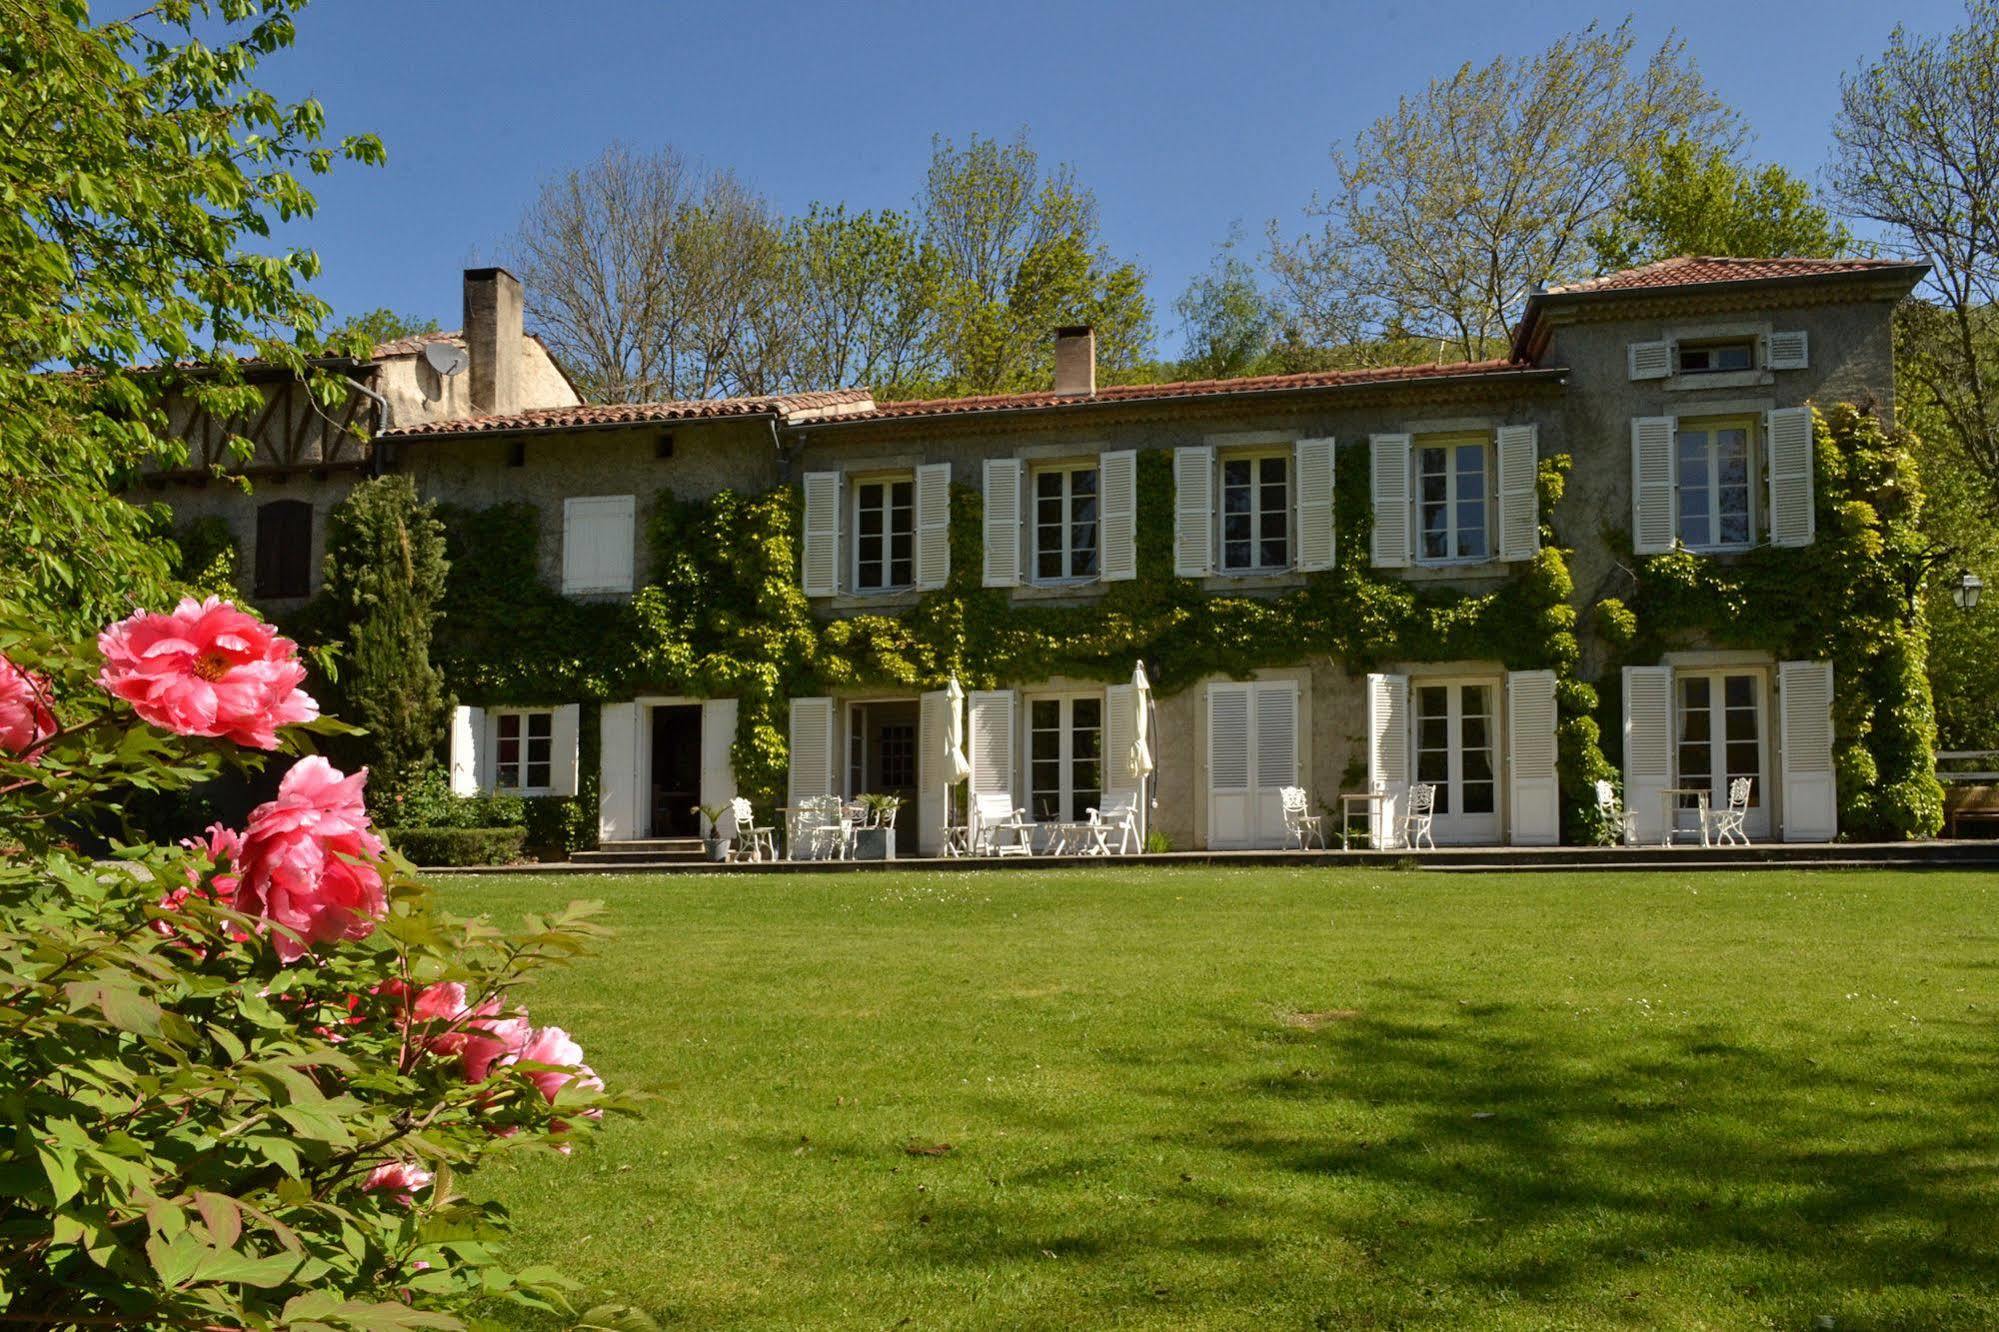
x=1710, y=358
x=662, y=448
x=517, y=453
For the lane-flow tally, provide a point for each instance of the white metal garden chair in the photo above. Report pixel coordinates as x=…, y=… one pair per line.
x=1114, y=826
x=1419, y=814
x=820, y=829
x=751, y=841
x=999, y=829
x=1725, y=824
x=1616, y=814
x=1300, y=824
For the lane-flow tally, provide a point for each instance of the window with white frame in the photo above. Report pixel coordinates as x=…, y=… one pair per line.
x=1065, y=522
x=1714, y=493
x=1453, y=494
x=523, y=751
x=1256, y=512
x=1715, y=357
x=884, y=533
x=1065, y=774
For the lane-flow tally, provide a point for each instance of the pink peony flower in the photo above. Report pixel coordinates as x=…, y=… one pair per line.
x=485, y=1042
x=25, y=719
x=306, y=859
x=399, y=1179
x=206, y=669
x=223, y=846
x=552, y=1045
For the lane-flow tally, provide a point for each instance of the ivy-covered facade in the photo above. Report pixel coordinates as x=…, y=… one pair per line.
x=1661, y=546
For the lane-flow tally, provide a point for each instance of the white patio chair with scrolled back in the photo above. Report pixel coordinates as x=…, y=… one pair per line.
x=1419, y=814
x=1725, y=824
x=752, y=841
x=820, y=829
x=1616, y=814
x=1300, y=824
x=1114, y=826
x=999, y=829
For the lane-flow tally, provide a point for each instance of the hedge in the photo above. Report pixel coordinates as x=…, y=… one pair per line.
x=460, y=846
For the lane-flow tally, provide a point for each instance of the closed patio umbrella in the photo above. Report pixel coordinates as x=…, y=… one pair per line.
x=1140, y=758
x=954, y=733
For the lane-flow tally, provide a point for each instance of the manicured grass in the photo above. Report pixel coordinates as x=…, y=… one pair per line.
x=1257, y=1098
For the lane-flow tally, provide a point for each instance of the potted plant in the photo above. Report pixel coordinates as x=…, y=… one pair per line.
x=875, y=838
x=711, y=836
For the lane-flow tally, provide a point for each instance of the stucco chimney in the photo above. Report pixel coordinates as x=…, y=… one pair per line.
x=493, y=332
x=1076, y=360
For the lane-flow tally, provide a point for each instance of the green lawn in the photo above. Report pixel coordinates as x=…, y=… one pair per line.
x=1276, y=1098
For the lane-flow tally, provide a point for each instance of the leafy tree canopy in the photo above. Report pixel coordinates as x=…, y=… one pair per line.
x=1701, y=199
x=380, y=325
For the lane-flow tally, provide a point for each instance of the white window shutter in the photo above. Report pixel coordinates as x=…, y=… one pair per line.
x=933, y=525
x=1650, y=360
x=1519, y=492
x=1276, y=709
x=1534, y=786
x=718, y=767
x=1315, y=504
x=599, y=538
x=1804, y=700
x=811, y=749
x=1120, y=703
x=819, y=552
x=563, y=747
x=1193, y=511
x=1787, y=351
x=468, y=740
x=618, y=811
x=1002, y=522
x=932, y=773
x=1117, y=526
x=989, y=741
x=1387, y=754
x=1793, y=521
x=1231, y=822
x=1652, y=522
x=1648, y=746
x=1389, y=471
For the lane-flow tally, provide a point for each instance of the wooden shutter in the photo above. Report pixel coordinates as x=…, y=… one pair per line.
x=1652, y=519
x=1519, y=492
x=1792, y=520
x=1315, y=504
x=932, y=773
x=284, y=549
x=1117, y=527
x=718, y=766
x=1387, y=752
x=1229, y=814
x=811, y=749
x=1648, y=746
x=819, y=551
x=618, y=786
x=1276, y=717
x=563, y=748
x=1804, y=700
x=1650, y=360
x=468, y=743
x=1002, y=522
x=989, y=735
x=598, y=542
x=1193, y=511
x=1787, y=351
x=1389, y=470
x=1534, y=788
x=933, y=525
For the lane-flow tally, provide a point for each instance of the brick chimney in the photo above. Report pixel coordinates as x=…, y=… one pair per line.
x=1076, y=361
x=493, y=332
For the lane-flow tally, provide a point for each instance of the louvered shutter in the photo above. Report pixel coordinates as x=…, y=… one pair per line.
x=598, y=542
x=468, y=742
x=1648, y=746
x=1229, y=814
x=1519, y=492
x=811, y=750
x=1120, y=707
x=932, y=772
x=1117, y=526
x=1787, y=351
x=1002, y=522
x=1389, y=469
x=1652, y=525
x=819, y=558
x=933, y=525
x=1533, y=782
x=1276, y=709
x=563, y=747
x=989, y=732
x=1315, y=504
x=1792, y=520
x=1387, y=754
x=1804, y=701
x=1650, y=360
x=1193, y=511
x=618, y=773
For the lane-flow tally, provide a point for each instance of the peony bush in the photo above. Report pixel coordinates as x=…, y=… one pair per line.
x=247, y=1074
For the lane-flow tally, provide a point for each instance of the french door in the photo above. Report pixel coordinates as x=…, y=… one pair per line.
x=1721, y=733
x=1065, y=775
x=1252, y=755
x=1457, y=725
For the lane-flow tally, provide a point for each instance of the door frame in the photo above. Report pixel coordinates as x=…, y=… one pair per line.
x=844, y=734
x=1767, y=778
x=1495, y=686
x=712, y=710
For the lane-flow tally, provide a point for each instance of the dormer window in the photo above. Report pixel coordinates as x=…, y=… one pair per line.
x=1710, y=358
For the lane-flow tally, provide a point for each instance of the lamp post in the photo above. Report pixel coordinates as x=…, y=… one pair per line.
x=1965, y=589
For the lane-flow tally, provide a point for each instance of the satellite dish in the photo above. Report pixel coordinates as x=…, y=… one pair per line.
x=447, y=358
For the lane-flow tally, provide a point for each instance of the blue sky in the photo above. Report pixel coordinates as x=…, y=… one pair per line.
x=1184, y=117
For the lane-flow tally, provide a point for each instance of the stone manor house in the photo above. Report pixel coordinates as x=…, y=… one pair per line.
x=1679, y=391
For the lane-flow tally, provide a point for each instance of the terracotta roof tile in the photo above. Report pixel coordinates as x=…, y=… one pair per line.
x=1692, y=270
x=415, y=343
x=792, y=407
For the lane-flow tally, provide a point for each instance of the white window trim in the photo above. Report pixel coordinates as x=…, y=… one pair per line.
x=1496, y=739
x=1711, y=423
x=1032, y=520
x=1769, y=775
x=1451, y=441
x=1253, y=454
x=1066, y=700
x=855, y=480
x=493, y=719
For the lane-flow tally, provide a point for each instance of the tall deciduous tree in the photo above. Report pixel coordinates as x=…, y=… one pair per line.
x=1917, y=150
x=140, y=171
x=382, y=325
x=864, y=290
x=1701, y=199
x=1446, y=212
x=1227, y=319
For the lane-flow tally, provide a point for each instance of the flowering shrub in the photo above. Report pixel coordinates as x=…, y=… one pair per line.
x=246, y=1074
